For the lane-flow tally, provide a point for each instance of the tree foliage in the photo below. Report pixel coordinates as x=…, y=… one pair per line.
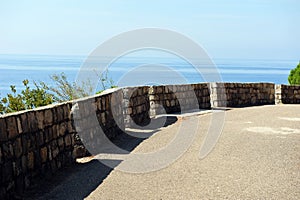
x=43, y=94
x=28, y=98
x=64, y=90
x=106, y=82
x=294, y=77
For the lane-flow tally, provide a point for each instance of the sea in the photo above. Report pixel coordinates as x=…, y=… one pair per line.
x=168, y=70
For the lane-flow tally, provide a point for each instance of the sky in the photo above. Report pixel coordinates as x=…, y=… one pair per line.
x=247, y=29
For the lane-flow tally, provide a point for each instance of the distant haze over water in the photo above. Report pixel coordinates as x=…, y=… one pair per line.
x=15, y=68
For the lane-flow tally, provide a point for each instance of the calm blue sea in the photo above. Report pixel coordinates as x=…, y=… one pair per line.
x=15, y=68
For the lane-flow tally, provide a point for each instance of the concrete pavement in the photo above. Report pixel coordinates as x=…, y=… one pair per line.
x=257, y=157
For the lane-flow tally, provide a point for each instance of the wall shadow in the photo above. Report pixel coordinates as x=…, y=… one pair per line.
x=79, y=180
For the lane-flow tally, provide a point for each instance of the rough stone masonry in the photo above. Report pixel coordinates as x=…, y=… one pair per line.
x=36, y=143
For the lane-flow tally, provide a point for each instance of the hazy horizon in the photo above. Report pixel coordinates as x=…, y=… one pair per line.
x=258, y=29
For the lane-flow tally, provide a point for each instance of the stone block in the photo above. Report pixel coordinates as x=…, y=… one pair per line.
x=78, y=151
x=3, y=131
x=53, y=144
x=55, y=132
x=98, y=103
x=140, y=91
x=59, y=113
x=32, y=121
x=48, y=117
x=47, y=134
x=67, y=110
x=62, y=129
x=30, y=160
x=40, y=119
x=126, y=93
x=24, y=163
x=172, y=103
x=129, y=111
x=103, y=118
x=55, y=152
x=140, y=109
x=72, y=139
x=44, y=154
x=19, y=125
x=40, y=138
x=53, y=166
x=68, y=140
x=114, y=99
x=159, y=89
x=24, y=143
x=49, y=150
x=24, y=123
x=167, y=103
x=11, y=127
x=8, y=151
x=151, y=90
x=17, y=146
x=58, y=163
x=54, y=114
x=142, y=100
x=17, y=168
x=60, y=142
x=107, y=102
x=71, y=128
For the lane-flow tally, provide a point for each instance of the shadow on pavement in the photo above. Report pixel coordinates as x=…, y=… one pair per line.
x=79, y=180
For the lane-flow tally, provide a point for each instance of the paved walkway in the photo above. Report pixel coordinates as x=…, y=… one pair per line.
x=256, y=157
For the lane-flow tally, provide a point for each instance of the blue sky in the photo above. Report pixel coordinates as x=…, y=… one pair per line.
x=262, y=29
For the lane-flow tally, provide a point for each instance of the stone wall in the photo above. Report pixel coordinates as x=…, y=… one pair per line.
x=242, y=94
x=97, y=119
x=203, y=95
x=178, y=98
x=136, y=106
x=288, y=94
x=142, y=102
x=36, y=143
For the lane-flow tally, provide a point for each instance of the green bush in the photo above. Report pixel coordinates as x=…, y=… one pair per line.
x=42, y=94
x=105, y=81
x=65, y=90
x=294, y=77
x=27, y=99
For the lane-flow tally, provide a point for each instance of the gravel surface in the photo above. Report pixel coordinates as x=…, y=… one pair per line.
x=257, y=157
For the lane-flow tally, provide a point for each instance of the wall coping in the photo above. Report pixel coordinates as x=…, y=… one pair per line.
x=112, y=90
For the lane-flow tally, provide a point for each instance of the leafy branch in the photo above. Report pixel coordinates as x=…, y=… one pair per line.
x=27, y=99
x=42, y=94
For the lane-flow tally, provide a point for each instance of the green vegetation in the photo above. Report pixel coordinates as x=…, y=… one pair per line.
x=42, y=94
x=27, y=99
x=294, y=77
x=65, y=90
x=105, y=81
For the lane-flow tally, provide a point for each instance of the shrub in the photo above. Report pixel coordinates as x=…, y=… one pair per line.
x=42, y=94
x=65, y=90
x=294, y=77
x=27, y=99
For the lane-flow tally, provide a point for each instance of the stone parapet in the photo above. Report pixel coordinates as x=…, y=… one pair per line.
x=178, y=98
x=288, y=94
x=38, y=142
x=242, y=94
